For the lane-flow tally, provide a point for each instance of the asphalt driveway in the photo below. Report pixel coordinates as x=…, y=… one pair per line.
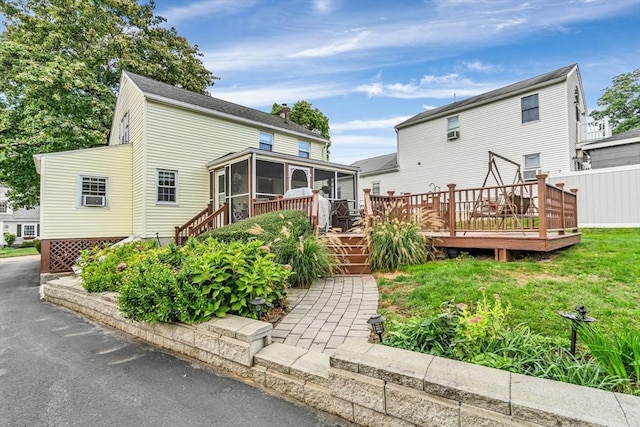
x=59, y=369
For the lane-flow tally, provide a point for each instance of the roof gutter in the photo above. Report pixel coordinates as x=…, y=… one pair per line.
x=186, y=106
x=484, y=102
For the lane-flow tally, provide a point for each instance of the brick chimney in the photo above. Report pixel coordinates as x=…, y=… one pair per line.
x=285, y=113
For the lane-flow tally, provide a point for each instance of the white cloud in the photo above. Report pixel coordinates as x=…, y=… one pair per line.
x=430, y=86
x=387, y=123
x=265, y=96
x=323, y=6
x=203, y=8
x=347, y=148
x=478, y=66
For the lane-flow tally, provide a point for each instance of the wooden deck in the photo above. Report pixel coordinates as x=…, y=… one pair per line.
x=530, y=216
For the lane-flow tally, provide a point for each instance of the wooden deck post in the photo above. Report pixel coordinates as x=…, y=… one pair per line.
x=314, y=210
x=560, y=185
x=452, y=209
x=279, y=202
x=575, y=207
x=176, y=235
x=368, y=209
x=542, y=205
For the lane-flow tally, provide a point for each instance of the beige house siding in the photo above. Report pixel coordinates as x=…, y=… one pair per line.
x=61, y=214
x=131, y=100
x=185, y=141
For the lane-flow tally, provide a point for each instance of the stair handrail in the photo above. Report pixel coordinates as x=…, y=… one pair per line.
x=210, y=222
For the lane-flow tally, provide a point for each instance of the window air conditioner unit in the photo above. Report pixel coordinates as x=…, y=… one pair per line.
x=530, y=174
x=453, y=134
x=94, y=201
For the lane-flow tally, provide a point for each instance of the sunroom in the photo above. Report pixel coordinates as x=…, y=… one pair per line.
x=244, y=179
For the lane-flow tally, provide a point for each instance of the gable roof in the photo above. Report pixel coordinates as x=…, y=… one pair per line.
x=172, y=93
x=542, y=80
x=378, y=164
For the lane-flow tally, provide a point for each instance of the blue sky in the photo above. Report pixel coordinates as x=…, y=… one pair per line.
x=368, y=65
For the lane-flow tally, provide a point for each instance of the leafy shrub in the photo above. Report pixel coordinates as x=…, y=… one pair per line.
x=308, y=256
x=618, y=354
x=27, y=244
x=395, y=243
x=150, y=292
x=104, y=269
x=265, y=227
x=480, y=335
x=214, y=278
x=37, y=243
x=9, y=238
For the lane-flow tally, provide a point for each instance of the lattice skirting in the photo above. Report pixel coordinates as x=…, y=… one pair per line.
x=59, y=255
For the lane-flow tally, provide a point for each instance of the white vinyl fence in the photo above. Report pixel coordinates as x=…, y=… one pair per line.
x=608, y=197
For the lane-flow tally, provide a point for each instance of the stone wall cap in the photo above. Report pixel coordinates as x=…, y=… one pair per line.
x=279, y=356
x=631, y=408
x=403, y=367
x=473, y=384
x=311, y=364
x=552, y=402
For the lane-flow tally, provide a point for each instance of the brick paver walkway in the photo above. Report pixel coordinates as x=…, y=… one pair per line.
x=330, y=312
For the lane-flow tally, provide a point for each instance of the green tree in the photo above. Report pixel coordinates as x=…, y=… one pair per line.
x=305, y=115
x=622, y=102
x=60, y=65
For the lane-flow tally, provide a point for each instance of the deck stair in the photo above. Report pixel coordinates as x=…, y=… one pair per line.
x=351, y=251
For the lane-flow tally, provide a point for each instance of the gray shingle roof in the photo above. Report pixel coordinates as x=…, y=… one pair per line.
x=378, y=163
x=488, y=96
x=154, y=87
x=632, y=133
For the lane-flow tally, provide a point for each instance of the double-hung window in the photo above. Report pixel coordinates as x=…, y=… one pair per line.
x=4, y=206
x=375, y=188
x=530, y=109
x=266, y=141
x=93, y=191
x=304, y=149
x=453, y=128
x=167, y=186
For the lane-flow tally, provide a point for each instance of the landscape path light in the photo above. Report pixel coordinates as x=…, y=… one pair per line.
x=377, y=324
x=576, y=319
x=257, y=303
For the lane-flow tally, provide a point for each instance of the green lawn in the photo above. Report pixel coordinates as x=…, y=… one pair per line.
x=11, y=252
x=602, y=273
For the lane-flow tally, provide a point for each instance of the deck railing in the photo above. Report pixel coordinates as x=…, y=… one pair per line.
x=527, y=207
x=202, y=222
x=308, y=204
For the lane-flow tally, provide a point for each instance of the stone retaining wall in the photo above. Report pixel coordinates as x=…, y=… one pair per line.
x=368, y=384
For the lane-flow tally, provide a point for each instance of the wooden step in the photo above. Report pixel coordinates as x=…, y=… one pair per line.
x=354, y=268
x=352, y=258
x=351, y=251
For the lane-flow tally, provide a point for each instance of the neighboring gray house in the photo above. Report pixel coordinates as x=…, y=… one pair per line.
x=619, y=150
x=24, y=223
x=378, y=165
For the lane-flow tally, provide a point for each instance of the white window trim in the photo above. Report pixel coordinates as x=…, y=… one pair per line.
x=107, y=202
x=522, y=110
x=308, y=151
x=8, y=210
x=177, y=185
x=373, y=184
x=35, y=230
x=260, y=140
